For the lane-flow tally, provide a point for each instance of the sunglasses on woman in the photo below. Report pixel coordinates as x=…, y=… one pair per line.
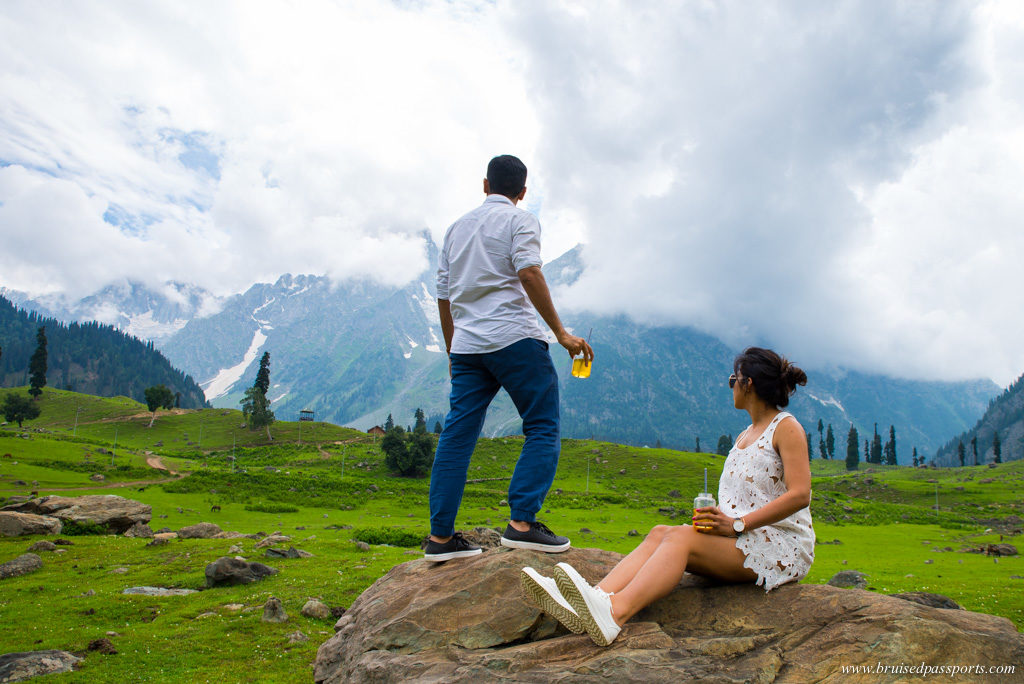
x=733, y=380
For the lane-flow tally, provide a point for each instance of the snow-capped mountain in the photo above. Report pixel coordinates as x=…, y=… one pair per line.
x=133, y=308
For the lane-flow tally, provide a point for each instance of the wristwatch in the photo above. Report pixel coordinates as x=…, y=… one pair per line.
x=738, y=525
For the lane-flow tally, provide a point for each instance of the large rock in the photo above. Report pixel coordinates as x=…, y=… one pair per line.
x=467, y=621
x=14, y=524
x=203, y=530
x=230, y=571
x=115, y=513
x=22, y=565
x=16, y=667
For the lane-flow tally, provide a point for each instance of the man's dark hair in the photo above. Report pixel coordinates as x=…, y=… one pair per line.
x=506, y=175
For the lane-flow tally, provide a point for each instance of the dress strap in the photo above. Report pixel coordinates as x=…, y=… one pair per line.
x=769, y=432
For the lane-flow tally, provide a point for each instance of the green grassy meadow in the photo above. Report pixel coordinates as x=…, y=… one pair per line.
x=337, y=489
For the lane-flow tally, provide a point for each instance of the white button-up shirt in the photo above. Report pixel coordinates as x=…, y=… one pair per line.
x=482, y=255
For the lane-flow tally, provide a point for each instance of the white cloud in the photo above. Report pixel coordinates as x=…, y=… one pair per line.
x=331, y=135
x=840, y=180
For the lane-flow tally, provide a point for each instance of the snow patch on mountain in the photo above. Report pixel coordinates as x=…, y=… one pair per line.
x=831, y=401
x=146, y=326
x=222, y=382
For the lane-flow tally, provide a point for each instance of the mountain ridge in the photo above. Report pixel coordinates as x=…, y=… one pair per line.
x=354, y=351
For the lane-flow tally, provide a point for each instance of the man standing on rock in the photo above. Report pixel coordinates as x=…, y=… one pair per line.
x=490, y=289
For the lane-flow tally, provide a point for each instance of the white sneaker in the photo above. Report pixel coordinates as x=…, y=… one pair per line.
x=544, y=593
x=593, y=606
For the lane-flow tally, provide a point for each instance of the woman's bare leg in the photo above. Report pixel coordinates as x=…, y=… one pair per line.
x=623, y=573
x=681, y=548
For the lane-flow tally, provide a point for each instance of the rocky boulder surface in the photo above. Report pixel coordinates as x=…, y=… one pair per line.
x=16, y=667
x=226, y=571
x=203, y=530
x=22, y=565
x=14, y=524
x=468, y=620
x=115, y=513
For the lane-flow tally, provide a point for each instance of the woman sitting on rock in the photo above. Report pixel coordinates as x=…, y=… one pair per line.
x=760, y=532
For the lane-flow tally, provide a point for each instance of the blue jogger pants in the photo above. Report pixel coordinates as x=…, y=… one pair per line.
x=526, y=372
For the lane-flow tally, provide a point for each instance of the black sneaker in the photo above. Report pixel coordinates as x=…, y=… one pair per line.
x=456, y=547
x=538, y=538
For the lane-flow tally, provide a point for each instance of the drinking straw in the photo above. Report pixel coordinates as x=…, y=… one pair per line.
x=705, y=479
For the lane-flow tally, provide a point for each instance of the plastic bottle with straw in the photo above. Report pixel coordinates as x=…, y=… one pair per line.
x=704, y=499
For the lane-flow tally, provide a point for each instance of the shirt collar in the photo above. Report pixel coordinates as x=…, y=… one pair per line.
x=498, y=198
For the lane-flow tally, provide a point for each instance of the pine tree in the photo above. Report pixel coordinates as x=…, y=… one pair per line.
x=263, y=375
x=830, y=442
x=892, y=460
x=437, y=427
x=255, y=405
x=724, y=445
x=974, y=448
x=157, y=397
x=852, y=454
x=997, y=449
x=810, y=452
x=256, y=410
x=915, y=457
x=421, y=421
x=960, y=453
x=822, y=450
x=697, y=446
x=37, y=365
x=876, y=447
x=389, y=424
x=867, y=451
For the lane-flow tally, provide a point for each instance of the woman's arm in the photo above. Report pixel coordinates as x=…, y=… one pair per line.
x=791, y=444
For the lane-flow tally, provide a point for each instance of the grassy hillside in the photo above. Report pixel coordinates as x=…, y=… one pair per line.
x=333, y=489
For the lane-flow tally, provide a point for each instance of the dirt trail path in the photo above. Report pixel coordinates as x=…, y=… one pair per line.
x=155, y=462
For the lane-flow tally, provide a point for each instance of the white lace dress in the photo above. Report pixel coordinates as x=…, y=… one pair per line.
x=752, y=477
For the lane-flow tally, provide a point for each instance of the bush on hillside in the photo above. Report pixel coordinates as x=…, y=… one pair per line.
x=392, y=536
x=408, y=455
x=271, y=508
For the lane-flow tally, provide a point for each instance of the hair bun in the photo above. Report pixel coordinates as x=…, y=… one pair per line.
x=793, y=375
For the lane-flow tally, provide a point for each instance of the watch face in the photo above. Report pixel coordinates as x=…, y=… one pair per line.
x=737, y=525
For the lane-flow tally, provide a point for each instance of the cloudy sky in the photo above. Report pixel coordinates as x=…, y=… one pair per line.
x=840, y=180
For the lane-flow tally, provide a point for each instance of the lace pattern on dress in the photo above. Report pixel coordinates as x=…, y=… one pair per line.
x=752, y=477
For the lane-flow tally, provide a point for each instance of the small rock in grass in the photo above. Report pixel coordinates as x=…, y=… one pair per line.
x=849, y=579
x=207, y=614
x=43, y=546
x=316, y=609
x=119, y=571
x=297, y=637
x=273, y=611
x=362, y=546
x=928, y=561
x=234, y=606
x=113, y=634
x=235, y=549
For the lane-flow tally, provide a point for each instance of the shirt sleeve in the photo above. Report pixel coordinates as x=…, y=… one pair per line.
x=526, y=243
x=442, y=271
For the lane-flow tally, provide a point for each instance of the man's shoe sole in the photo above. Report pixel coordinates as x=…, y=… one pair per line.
x=438, y=557
x=572, y=594
x=534, y=546
x=549, y=604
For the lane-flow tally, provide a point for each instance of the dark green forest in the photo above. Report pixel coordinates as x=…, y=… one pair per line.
x=92, y=358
